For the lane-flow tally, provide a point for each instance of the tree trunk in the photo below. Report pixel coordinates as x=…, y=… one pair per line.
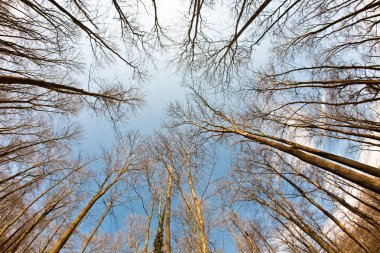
x=147, y=233
x=97, y=227
x=168, y=209
x=66, y=235
x=200, y=220
x=339, y=170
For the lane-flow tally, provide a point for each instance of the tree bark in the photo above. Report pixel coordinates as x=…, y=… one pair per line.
x=69, y=231
x=168, y=209
x=200, y=220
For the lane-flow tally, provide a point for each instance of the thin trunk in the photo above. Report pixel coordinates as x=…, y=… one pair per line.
x=158, y=240
x=339, y=159
x=12, y=246
x=360, y=179
x=237, y=240
x=66, y=235
x=293, y=217
x=301, y=239
x=325, y=212
x=248, y=238
x=147, y=233
x=21, y=232
x=97, y=227
x=50, y=239
x=342, y=201
x=168, y=207
x=200, y=220
x=9, y=224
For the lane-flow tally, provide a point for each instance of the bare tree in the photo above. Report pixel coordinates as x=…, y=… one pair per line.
x=190, y=162
x=304, y=127
x=286, y=190
x=43, y=47
x=207, y=118
x=123, y=160
x=331, y=33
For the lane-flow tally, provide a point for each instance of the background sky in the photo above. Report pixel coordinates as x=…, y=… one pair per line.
x=163, y=87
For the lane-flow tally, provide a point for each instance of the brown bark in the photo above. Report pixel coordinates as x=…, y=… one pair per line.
x=51, y=86
x=200, y=219
x=97, y=227
x=297, y=220
x=10, y=223
x=168, y=209
x=325, y=212
x=147, y=232
x=71, y=228
x=337, y=169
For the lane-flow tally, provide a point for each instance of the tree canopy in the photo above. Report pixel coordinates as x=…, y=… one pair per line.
x=274, y=149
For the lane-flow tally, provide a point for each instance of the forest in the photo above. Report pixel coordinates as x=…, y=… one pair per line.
x=275, y=146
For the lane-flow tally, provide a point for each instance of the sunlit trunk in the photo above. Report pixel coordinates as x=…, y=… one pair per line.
x=69, y=231
x=97, y=227
x=147, y=232
x=200, y=220
x=168, y=209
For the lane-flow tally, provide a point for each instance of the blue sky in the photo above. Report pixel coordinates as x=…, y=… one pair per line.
x=164, y=87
